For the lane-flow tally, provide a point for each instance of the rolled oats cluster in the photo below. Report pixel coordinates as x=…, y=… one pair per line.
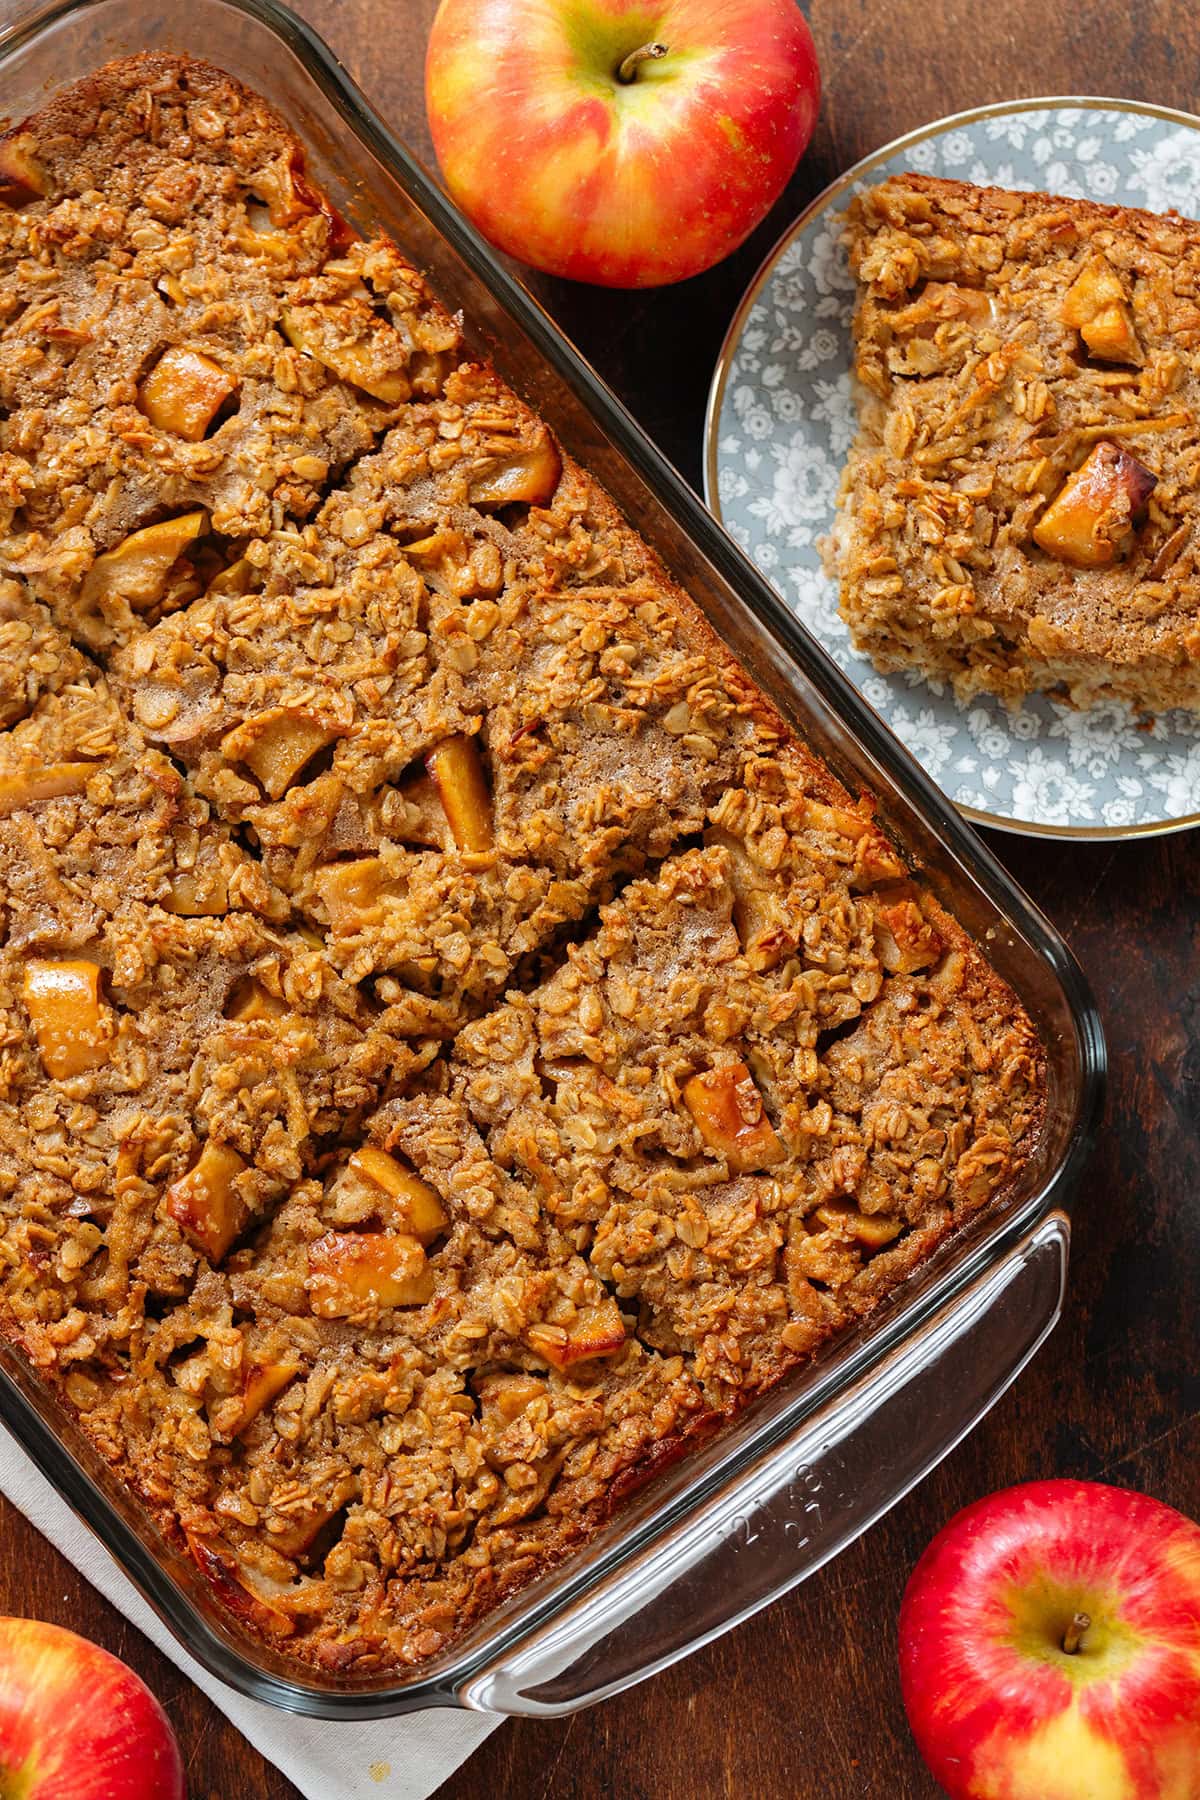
x=1019, y=509
x=456, y=1043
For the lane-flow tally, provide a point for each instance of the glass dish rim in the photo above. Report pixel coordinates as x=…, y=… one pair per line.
x=821, y=203
x=687, y=511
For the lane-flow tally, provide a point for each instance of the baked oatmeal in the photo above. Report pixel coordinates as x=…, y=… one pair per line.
x=457, y=1044
x=1019, y=511
x=169, y=272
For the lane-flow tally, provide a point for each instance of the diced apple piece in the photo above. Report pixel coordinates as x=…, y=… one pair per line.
x=184, y=392
x=375, y=363
x=942, y=301
x=282, y=188
x=237, y=579
x=72, y=1025
x=350, y=1270
x=1097, y=306
x=26, y=787
x=198, y=894
x=428, y=549
x=137, y=569
x=953, y=301
x=276, y=745
x=303, y=1528
x=904, y=938
x=1111, y=337
x=875, y=860
x=1096, y=287
x=421, y=1212
x=762, y=939
x=22, y=177
x=262, y=235
x=505, y=1397
x=250, y=1003
x=302, y=1531
x=528, y=475
x=205, y=1203
x=235, y=1589
x=596, y=1331
x=728, y=1110
x=457, y=774
x=354, y=892
x=818, y=815
x=1091, y=521
x=261, y=1383
x=430, y=824
x=871, y=1230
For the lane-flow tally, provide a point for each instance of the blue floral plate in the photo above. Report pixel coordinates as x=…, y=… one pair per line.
x=781, y=418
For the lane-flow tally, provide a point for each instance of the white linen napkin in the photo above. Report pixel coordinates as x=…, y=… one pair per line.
x=380, y=1759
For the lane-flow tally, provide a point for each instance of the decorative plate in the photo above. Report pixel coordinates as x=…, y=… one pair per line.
x=781, y=417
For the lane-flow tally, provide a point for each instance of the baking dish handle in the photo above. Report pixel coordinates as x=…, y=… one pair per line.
x=800, y=1503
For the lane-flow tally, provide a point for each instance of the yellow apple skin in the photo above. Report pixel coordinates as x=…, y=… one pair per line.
x=1050, y=1647
x=571, y=159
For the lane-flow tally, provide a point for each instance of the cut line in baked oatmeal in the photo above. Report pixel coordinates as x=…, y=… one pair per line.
x=448, y=743
x=1019, y=510
x=456, y=1044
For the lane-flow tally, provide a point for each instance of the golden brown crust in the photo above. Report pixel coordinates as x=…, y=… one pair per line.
x=456, y=1044
x=174, y=211
x=1005, y=343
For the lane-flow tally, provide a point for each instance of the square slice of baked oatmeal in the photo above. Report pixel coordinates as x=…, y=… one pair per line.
x=1019, y=510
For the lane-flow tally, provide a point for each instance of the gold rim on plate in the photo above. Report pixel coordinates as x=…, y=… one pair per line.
x=825, y=199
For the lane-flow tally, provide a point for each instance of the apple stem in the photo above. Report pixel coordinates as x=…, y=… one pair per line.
x=633, y=62
x=1073, y=1636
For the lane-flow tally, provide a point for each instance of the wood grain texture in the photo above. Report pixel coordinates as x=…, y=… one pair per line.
x=802, y=1703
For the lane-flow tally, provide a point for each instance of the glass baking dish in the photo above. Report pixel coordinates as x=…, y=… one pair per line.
x=813, y=1463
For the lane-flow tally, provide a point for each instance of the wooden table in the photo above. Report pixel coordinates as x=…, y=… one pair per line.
x=802, y=1703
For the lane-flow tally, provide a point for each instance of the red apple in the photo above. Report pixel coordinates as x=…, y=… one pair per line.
x=1050, y=1648
x=76, y=1724
x=624, y=142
